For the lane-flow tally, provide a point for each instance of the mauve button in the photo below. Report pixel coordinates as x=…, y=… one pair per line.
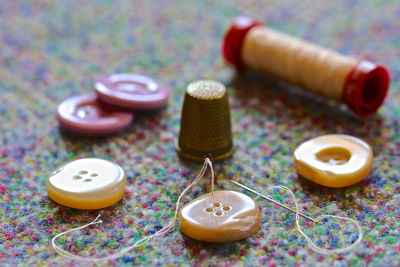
x=85, y=116
x=131, y=91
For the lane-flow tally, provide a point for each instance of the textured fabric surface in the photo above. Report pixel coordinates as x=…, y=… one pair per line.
x=50, y=50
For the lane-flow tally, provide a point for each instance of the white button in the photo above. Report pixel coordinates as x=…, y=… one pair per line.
x=87, y=183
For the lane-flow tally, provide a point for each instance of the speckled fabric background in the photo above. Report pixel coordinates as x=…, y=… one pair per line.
x=51, y=50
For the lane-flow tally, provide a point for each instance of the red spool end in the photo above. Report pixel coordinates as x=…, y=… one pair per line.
x=233, y=40
x=365, y=88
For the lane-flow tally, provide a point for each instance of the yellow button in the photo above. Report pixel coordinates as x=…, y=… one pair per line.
x=87, y=183
x=334, y=160
x=234, y=216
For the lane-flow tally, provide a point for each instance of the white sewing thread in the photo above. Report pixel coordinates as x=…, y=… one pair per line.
x=144, y=240
x=297, y=61
x=316, y=220
x=171, y=224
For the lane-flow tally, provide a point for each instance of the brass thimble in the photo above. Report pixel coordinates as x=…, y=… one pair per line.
x=205, y=122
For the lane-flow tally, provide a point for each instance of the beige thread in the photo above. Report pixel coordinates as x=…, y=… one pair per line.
x=171, y=224
x=311, y=243
x=300, y=62
x=143, y=241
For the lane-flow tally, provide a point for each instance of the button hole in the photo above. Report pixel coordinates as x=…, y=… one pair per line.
x=209, y=209
x=226, y=208
x=216, y=204
x=218, y=213
x=87, y=180
x=83, y=172
x=77, y=177
x=94, y=175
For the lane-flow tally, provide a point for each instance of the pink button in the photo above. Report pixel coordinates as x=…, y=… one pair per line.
x=131, y=91
x=84, y=115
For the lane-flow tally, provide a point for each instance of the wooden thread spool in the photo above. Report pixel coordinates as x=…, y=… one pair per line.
x=360, y=84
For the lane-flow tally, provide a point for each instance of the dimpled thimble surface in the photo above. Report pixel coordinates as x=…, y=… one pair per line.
x=205, y=123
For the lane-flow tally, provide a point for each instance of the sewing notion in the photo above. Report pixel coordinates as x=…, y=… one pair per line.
x=131, y=92
x=334, y=160
x=231, y=216
x=362, y=85
x=205, y=123
x=83, y=115
x=88, y=183
x=218, y=216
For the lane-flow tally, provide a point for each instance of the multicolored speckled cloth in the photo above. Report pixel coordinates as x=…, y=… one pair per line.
x=50, y=50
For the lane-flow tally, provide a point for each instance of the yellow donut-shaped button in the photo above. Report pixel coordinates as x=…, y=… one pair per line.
x=87, y=183
x=334, y=160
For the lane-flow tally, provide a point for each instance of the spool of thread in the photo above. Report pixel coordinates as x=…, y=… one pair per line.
x=360, y=84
